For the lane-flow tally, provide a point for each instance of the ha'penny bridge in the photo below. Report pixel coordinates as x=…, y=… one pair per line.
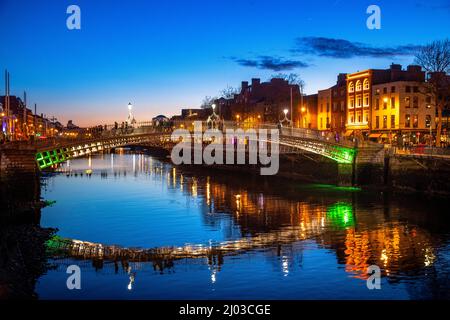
x=145, y=134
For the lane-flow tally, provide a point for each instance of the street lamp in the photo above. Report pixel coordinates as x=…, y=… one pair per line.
x=286, y=111
x=213, y=120
x=130, y=119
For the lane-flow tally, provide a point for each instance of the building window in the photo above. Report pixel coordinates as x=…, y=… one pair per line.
x=366, y=100
x=407, y=102
x=358, y=85
x=377, y=104
x=384, y=90
x=366, y=84
x=342, y=106
x=366, y=118
x=334, y=106
x=408, y=89
x=415, y=89
x=359, y=118
x=358, y=102
x=392, y=102
x=407, y=121
x=393, y=89
x=415, y=102
x=321, y=123
x=377, y=122
x=351, y=87
x=351, y=103
x=392, y=121
x=328, y=107
x=384, y=122
x=427, y=121
x=351, y=119
x=385, y=101
x=415, y=121
x=328, y=122
x=321, y=107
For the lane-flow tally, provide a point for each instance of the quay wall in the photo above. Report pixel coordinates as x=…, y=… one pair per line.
x=19, y=181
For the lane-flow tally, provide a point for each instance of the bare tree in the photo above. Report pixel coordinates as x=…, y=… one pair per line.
x=291, y=78
x=229, y=92
x=207, y=102
x=435, y=59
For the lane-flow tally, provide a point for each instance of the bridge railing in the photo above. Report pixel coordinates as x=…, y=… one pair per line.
x=423, y=151
x=115, y=130
x=310, y=134
x=85, y=135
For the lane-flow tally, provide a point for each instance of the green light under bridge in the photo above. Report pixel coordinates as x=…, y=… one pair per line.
x=46, y=159
x=341, y=154
x=340, y=215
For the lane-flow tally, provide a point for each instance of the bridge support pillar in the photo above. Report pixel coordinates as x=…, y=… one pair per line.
x=346, y=174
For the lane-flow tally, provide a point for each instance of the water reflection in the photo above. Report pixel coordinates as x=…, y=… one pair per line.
x=266, y=216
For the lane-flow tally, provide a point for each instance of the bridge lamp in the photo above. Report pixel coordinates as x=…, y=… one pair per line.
x=285, y=112
x=130, y=106
x=213, y=106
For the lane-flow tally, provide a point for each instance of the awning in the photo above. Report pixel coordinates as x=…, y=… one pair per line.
x=348, y=133
x=384, y=135
x=375, y=135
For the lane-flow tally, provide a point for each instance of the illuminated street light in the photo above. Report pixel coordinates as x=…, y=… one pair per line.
x=130, y=119
x=285, y=112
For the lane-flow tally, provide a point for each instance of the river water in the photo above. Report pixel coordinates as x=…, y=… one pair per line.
x=288, y=240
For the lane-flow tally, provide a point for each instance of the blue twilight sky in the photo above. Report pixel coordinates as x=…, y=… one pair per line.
x=166, y=55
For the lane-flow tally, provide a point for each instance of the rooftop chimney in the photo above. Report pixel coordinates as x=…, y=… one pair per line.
x=255, y=82
x=414, y=68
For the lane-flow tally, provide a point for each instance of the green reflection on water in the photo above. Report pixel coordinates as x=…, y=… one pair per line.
x=340, y=215
x=329, y=187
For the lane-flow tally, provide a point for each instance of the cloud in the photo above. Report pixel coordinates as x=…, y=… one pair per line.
x=270, y=63
x=344, y=49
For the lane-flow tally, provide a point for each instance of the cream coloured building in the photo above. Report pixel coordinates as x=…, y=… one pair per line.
x=401, y=107
x=324, y=109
